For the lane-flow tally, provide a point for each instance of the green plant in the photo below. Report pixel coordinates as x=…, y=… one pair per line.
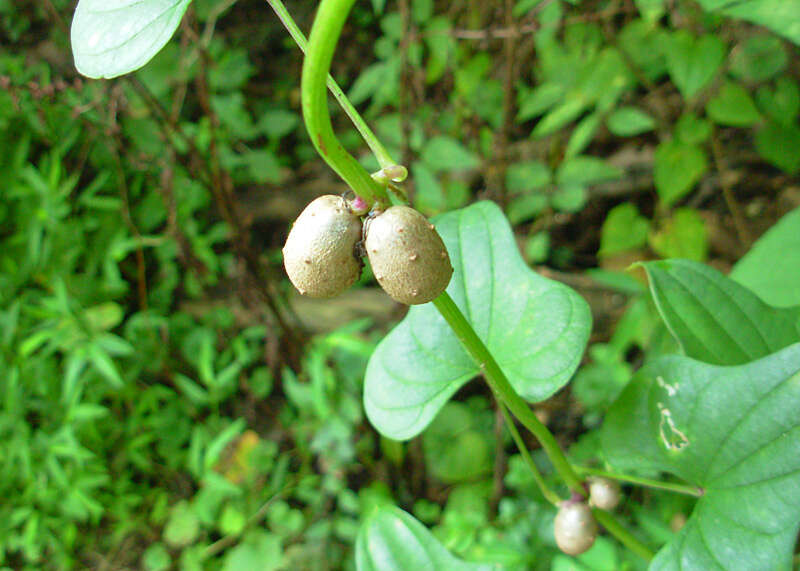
x=700, y=417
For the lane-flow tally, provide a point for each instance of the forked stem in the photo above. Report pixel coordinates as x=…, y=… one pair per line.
x=646, y=482
x=331, y=15
x=381, y=154
x=548, y=494
x=503, y=390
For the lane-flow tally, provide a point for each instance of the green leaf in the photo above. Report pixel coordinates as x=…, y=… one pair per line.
x=645, y=44
x=771, y=267
x=182, y=527
x=369, y=82
x=586, y=170
x=692, y=130
x=569, y=198
x=758, y=58
x=535, y=328
x=678, y=167
x=263, y=166
x=104, y=365
x=277, y=123
x=582, y=135
x=113, y=37
x=392, y=540
x=534, y=102
x=526, y=207
x=456, y=445
x=682, y=235
x=156, y=558
x=629, y=121
x=651, y=10
x=260, y=551
x=778, y=144
x=446, y=154
x=733, y=106
x=421, y=10
x=777, y=15
x=563, y=114
x=623, y=229
x=693, y=62
x=782, y=104
x=527, y=175
x=428, y=192
x=735, y=432
x=537, y=247
x=716, y=320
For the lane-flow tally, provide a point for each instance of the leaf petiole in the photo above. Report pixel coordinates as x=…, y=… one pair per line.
x=687, y=489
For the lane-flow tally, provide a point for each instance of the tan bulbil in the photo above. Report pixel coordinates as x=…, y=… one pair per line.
x=574, y=528
x=407, y=255
x=604, y=493
x=319, y=255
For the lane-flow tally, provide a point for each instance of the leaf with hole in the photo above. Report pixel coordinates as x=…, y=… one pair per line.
x=535, y=328
x=734, y=432
x=114, y=37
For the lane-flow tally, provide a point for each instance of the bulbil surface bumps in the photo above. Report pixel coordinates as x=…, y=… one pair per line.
x=319, y=255
x=407, y=255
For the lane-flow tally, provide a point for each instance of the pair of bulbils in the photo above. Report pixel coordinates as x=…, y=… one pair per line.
x=575, y=528
x=323, y=251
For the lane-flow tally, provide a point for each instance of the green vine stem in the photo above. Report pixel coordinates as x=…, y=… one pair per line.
x=548, y=494
x=331, y=15
x=624, y=536
x=503, y=390
x=381, y=154
x=668, y=486
x=325, y=32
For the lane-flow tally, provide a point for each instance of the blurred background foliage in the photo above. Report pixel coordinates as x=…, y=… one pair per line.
x=169, y=402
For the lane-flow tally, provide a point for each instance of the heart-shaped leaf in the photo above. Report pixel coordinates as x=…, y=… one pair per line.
x=778, y=15
x=678, y=167
x=534, y=327
x=392, y=540
x=113, y=37
x=735, y=432
x=692, y=62
x=772, y=265
x=715, y=319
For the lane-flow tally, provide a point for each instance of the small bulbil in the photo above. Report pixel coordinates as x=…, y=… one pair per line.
x=574, y=527
x=319, y=255
x=604, y=493
x=407, y=255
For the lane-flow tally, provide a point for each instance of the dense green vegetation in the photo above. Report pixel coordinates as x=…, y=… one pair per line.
x=168, y=401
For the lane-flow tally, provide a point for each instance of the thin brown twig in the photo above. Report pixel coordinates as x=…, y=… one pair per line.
x=222, y=188
x=745, y=239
